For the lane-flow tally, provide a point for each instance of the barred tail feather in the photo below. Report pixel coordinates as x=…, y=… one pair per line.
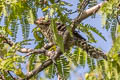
x=91, y=50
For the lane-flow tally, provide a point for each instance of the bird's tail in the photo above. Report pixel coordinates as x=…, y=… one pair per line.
x=91, y=50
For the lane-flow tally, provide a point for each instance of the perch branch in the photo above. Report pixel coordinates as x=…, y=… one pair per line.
x=85, y=14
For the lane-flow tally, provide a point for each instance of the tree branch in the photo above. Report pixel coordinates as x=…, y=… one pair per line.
x=6, y=40
x=43, y=50
x=58, y=52
x=88, y=12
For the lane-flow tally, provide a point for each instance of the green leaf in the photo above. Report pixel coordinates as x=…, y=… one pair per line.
x=37, y=37
x=63, y=68
x=87, y=28
x=50, y=71
x=45, y=9
x=19, y=72
x=65, y=3
x=52, y=1
x=31, y=65
x=58, y=39
x=51, y=12
x=30, y=17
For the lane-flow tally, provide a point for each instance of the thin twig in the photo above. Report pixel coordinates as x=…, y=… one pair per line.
x=11, y=75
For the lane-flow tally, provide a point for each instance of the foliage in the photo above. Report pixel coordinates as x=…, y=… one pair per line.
x=111, y=11
x=108, y=70
x=18, y=16
x=87, y=30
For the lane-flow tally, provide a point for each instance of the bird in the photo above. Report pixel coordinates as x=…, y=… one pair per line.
x=77, y=39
